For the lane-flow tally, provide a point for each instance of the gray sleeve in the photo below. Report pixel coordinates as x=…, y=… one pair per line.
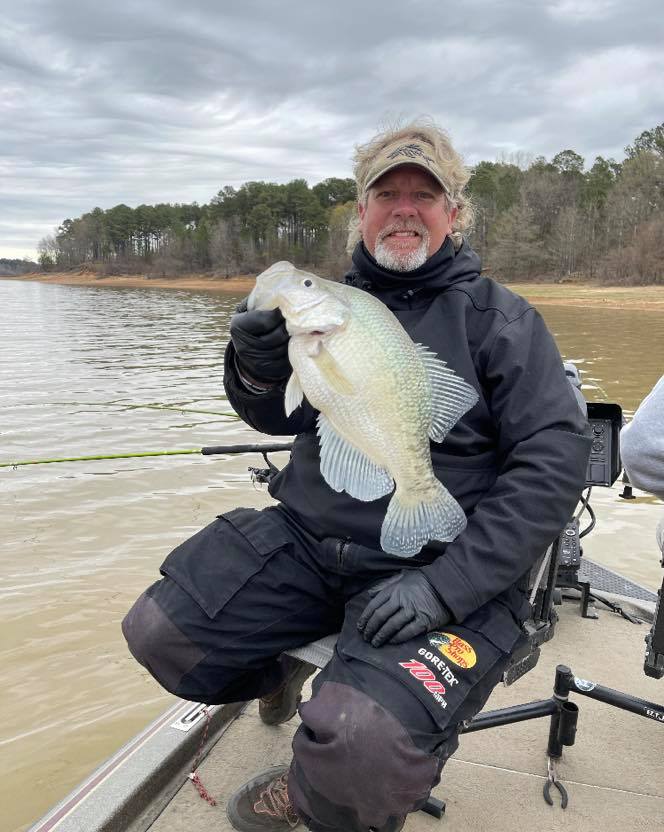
x=642, y=443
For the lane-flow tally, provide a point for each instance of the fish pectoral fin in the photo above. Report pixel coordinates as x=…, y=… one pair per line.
x=409, y=526
x=345, y=468
x=332, y=373
x=451, y=396
x=294, y=394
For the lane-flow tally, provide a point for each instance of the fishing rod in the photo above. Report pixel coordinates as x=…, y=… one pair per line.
x=262, y=448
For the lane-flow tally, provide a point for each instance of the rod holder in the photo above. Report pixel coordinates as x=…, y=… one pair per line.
x=569, y=716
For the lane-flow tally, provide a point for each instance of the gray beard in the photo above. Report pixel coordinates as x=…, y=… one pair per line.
x=402, y=262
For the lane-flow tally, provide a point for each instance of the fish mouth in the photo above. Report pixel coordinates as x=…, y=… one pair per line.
x=271, y=299
x=308, y=331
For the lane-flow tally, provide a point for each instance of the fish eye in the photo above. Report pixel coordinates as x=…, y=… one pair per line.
x=307, y=282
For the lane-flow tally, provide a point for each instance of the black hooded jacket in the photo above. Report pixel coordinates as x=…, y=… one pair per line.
x=516, y=461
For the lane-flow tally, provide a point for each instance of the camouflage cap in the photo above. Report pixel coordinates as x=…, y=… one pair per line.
x=405, y=152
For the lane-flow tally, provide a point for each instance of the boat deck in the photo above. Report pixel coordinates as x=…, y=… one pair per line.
x=614, y=773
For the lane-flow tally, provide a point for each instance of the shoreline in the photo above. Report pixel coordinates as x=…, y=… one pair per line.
x=643, y=298
x=238, y=284
x=540, y=294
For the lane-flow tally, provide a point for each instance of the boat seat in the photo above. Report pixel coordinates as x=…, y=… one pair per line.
x=317, y=652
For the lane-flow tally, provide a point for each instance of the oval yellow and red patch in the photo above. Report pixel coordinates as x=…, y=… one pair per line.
x=456, y=649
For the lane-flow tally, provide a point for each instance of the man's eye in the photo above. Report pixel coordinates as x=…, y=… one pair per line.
x=425, y=195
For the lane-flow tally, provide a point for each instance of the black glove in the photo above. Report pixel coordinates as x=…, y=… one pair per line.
x=261, y=343
x=403, y=606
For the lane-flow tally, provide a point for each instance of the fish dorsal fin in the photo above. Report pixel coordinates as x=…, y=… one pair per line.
x=333, y=373
x=451, y=396
x=294, y=394
x=345, y=468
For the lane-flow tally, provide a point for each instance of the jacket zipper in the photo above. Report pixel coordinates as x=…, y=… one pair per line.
x=342, y=545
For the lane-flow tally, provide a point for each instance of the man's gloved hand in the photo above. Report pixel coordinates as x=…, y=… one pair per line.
x=261, y=343
x=403, y=606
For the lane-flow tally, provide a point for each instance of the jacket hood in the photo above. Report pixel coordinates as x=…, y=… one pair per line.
x=442, y=270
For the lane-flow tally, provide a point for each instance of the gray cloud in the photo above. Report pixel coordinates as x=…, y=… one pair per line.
x=165, y=101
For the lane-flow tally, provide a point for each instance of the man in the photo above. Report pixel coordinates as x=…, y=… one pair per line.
x=423, y=640
x=642, y=443
x=642, y=448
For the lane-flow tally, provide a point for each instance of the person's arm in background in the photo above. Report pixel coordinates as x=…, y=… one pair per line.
x=642, y=443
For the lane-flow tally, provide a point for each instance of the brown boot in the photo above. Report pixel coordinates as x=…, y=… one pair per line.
x=263, y=804
x=281, y=705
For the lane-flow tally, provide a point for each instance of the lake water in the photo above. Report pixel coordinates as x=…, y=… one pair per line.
x=88, y=371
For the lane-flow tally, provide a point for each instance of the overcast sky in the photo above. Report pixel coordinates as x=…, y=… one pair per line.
x=145, y=101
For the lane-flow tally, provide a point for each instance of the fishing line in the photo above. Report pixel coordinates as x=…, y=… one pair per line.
x=179, y=409
x=153, y=406
x=208, y=451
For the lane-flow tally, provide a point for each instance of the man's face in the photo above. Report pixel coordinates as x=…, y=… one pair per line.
x=406, y=218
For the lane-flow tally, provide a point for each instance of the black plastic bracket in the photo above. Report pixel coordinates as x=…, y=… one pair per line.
x=434, y=807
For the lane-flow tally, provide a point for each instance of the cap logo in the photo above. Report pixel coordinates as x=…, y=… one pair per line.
x=411, y=151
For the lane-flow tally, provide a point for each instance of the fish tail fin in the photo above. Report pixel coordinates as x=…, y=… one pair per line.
x=409, y=525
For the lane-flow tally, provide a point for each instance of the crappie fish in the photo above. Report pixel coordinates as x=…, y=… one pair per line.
x=381, y=398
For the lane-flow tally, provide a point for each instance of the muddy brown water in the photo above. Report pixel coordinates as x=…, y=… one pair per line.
x=89, y=370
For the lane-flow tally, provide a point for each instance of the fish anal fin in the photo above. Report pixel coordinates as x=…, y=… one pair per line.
x=345, y=468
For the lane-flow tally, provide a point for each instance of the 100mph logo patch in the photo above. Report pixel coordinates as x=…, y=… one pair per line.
x=422, y=673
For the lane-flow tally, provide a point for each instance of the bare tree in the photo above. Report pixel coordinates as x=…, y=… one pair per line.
x=225, y=250
x=567, y=240
x=48, y=250
x=515, y=251
x=337, y=261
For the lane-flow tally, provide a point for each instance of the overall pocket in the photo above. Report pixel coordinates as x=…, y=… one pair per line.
x=214, y=564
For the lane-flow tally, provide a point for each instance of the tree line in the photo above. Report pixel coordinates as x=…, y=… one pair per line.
x=558, y=219
x=13, y=266
x=534, y=218
x=240, y=230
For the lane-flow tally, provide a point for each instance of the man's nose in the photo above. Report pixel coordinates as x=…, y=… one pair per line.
x=404, y=206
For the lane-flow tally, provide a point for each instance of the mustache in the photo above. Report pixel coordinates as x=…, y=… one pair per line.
x=413, y=225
